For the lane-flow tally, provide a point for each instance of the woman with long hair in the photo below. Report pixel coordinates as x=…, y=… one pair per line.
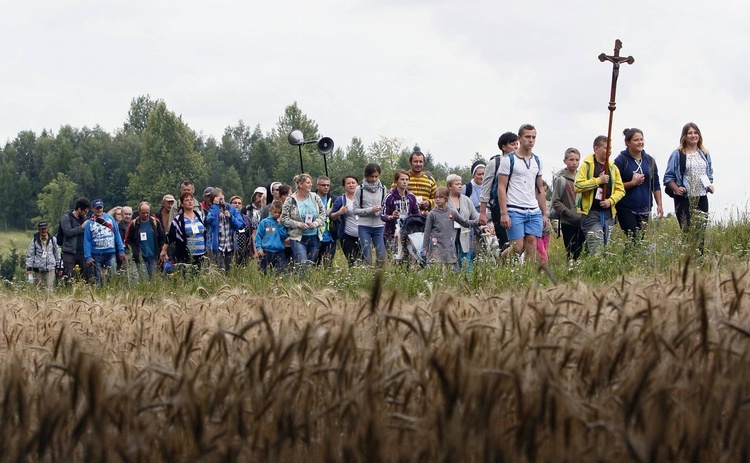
x=688, y=179
x=640, y=177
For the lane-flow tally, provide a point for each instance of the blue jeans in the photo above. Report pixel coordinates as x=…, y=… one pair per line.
x=101, y=261
x=306, y=249
x=369, y=236
x=147, y=266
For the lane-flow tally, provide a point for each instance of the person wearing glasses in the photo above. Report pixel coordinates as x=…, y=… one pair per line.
x=328, y=242
x=275, y=193
x=73, y=225
x=145, y=237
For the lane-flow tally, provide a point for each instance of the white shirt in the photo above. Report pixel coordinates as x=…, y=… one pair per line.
x=522, y=184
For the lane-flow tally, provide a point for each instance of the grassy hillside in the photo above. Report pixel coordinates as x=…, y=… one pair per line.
x=10, y=239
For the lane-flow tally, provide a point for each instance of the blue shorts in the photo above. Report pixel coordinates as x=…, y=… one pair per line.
x=524, y=223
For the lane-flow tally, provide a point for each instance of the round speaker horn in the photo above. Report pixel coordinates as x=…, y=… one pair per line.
x=325, y=145
x=297, y=138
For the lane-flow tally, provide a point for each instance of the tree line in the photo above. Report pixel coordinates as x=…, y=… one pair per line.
x=155, y=150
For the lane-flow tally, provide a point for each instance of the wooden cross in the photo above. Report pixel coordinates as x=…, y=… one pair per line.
x=616, y=60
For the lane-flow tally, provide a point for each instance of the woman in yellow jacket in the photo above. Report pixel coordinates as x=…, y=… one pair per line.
x=591, y=181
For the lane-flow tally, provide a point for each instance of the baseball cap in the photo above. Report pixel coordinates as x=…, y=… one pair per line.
x=260, y=189
x=168, y=198
x=208, y=191
x=97, y=203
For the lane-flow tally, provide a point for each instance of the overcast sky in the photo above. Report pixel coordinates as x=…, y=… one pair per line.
x=449, y=75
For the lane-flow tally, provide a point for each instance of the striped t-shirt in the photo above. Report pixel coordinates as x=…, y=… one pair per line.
x=195, y=236
x=424, y=186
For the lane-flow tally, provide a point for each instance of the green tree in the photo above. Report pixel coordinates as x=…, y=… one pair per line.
x=168, y=158
x=215, y=167
x=286, y=157
x=125, y=152
x=386, y=152
x=260, y=166
x=230, y=183
x=349, y=161
x=55, y=199
x=237, y=145
x=140, y=108
x=7, y=184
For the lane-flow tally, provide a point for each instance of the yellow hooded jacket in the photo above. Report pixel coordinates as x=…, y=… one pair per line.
x=586, y=184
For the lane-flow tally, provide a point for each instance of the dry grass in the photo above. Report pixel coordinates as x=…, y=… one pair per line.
x=628, y=372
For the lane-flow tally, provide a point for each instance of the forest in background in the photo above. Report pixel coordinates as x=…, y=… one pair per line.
x=42, y=174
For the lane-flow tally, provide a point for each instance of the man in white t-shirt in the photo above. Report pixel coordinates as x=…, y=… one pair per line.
x=523, y=209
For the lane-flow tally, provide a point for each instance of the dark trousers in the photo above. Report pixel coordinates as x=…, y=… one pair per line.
x=573, y=238
x=276, y=260
x=500, y=232
x=326, y=253
x=632, y=224
x=350, y=246
x=222, y=259
x=692, y=215
x=70, y=261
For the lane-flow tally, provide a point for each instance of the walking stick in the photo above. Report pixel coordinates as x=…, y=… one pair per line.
x=615, y=59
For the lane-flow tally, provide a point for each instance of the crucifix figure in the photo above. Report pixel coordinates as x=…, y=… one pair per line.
x=615, y=59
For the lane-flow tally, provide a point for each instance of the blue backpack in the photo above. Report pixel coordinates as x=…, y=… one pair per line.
x=512, y=157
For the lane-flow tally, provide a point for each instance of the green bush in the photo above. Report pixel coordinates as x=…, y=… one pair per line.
x=11, y=265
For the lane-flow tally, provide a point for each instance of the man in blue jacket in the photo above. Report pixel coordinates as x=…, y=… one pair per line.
x=102, y=242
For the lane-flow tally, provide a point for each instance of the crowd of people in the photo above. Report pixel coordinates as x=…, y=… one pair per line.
x=301, y=227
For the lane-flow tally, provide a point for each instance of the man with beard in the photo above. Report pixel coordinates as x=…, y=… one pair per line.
x=421, y=183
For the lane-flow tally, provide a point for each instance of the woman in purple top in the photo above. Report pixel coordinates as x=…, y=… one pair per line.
x=399, y=204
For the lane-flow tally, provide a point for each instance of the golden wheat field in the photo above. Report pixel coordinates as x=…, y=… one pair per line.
x=635, y=371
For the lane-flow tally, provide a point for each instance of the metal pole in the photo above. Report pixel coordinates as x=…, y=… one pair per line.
x=301, y=167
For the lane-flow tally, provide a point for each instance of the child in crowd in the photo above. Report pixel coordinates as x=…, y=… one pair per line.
x=564, y=203
x=439, y=230
x=270, y=238
x=595, y=182
x=542, y=244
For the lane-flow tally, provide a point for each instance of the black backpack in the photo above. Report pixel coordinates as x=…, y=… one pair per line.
x=512, y=157
x=60, y=236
